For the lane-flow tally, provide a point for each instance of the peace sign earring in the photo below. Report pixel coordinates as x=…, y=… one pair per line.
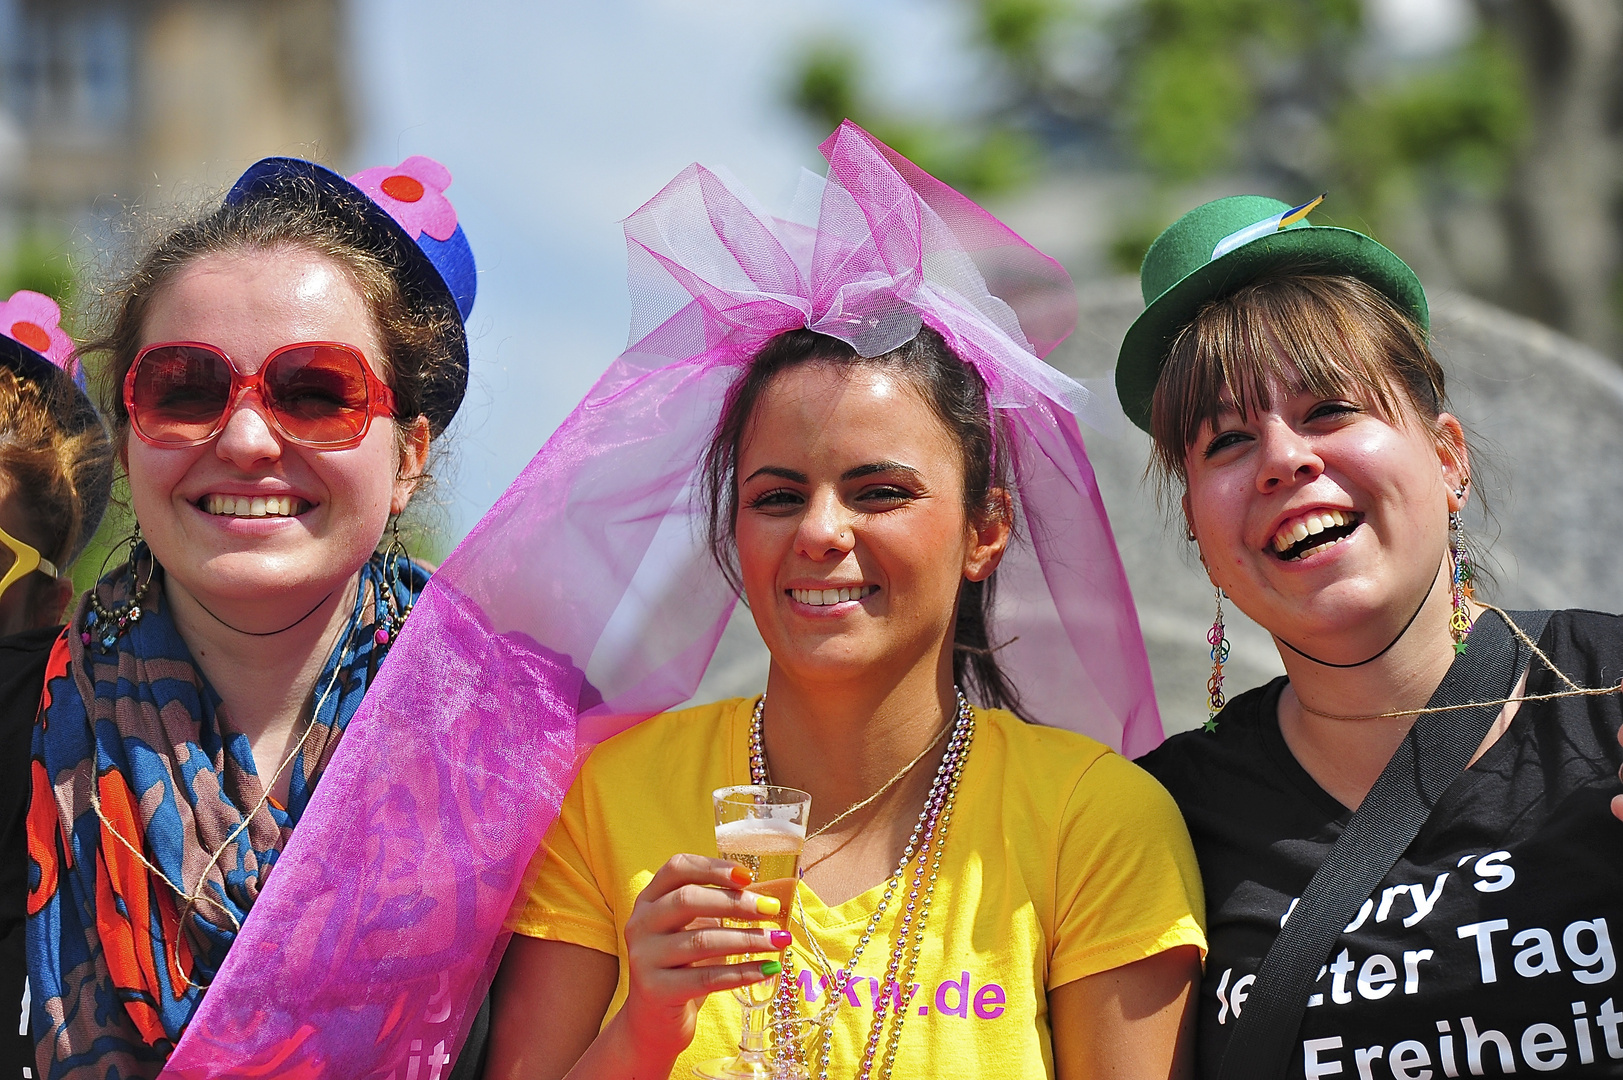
x=1219, y=642
x=1459, y=623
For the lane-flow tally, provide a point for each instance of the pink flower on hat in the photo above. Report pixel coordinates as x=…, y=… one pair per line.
x=413, y=193
x=34, y=320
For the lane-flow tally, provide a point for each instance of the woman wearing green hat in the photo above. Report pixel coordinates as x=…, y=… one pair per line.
x=1410, y=866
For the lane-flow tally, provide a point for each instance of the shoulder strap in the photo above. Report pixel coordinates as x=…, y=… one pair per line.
x=1429, y=759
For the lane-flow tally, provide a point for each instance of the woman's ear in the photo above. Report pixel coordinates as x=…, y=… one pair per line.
x=413, y=461
x=1190, y=535
x=1454, y=458
x=989, y=537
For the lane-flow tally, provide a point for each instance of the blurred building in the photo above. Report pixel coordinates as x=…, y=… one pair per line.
x=105, y=101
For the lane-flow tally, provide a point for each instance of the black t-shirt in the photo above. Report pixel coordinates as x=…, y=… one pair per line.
x=22, y=678
x=1493, y=945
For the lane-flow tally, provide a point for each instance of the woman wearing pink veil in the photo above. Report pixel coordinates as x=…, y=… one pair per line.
x=1063, y=928
x=875, y=446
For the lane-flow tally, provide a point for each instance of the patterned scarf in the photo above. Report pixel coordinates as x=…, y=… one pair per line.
x=118, y=960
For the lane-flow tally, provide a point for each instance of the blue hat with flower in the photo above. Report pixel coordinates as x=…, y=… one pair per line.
x=403, y=214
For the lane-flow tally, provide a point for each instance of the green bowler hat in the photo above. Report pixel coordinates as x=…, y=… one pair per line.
x=1220, y=246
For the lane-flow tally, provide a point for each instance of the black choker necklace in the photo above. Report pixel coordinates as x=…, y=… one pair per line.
x=1378, y=655
x=266, y=633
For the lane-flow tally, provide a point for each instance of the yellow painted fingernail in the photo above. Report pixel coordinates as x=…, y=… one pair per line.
x=767, y=905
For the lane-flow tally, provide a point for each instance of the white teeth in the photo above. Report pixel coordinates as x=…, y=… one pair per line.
x=827, y=597
x=1311, y=525
x=255, y=506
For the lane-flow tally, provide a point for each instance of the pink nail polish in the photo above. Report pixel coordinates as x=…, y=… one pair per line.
x=780, y=939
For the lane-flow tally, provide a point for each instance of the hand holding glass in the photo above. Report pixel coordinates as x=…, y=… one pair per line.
x=762, y=828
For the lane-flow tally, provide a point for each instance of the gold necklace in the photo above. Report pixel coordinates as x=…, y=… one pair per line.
x=757, y=751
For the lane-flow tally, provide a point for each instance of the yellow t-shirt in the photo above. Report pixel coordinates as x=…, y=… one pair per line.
x=1062, y=859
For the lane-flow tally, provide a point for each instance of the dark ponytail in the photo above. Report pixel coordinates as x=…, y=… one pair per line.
x=957, y=393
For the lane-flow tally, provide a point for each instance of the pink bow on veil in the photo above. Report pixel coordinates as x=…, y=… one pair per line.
x=585, y=601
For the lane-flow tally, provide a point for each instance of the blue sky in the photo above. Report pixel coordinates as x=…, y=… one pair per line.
x=558, y=120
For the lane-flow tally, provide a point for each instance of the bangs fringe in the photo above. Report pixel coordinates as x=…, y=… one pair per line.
x=1328, y=335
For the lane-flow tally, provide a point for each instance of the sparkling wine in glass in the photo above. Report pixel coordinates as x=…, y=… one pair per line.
x=762, y=828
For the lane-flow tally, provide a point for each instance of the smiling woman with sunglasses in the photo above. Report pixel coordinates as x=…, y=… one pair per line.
x=55, y=476
x=282, y=366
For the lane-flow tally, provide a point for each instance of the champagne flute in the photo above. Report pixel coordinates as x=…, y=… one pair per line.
x=762, y=828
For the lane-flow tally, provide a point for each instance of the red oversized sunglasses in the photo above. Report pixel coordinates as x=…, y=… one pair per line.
x=319, y=394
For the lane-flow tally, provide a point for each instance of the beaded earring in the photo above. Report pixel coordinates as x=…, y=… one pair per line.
x=1459, y=623
x=1220, y=655
x=109, y=624
x=391, y=615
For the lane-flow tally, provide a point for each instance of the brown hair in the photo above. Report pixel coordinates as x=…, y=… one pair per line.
x=60, y=474
x=1328, y=333
x=422, y=335
x=957, y=394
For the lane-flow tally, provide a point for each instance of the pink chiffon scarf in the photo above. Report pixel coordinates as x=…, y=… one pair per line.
x=586, y=601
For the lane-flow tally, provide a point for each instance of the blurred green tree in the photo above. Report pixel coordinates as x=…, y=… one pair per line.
x=39, y=262
x=986, y=158
x=1496, y=164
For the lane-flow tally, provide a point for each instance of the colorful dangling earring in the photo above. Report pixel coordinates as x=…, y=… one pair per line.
x=109, y=624
x=391, y=614
x=1459, y=623
x=1220, y=655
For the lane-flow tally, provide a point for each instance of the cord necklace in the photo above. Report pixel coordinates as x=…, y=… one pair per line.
x=1573, y=689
